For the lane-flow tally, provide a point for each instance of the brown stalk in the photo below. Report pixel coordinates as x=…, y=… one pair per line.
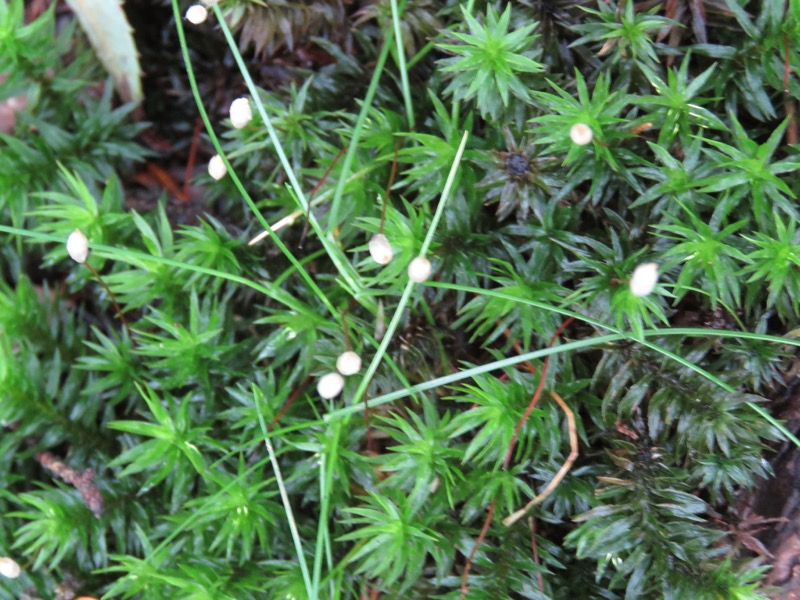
x=314, y=191
x=288, y=403
x=83, y=481
x=535, y=550
x=478, y=542
x=111, y=295
x=537, y=393
x=192, y=157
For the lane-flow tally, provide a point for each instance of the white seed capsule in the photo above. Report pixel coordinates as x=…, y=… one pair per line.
x=644, y=279
x=9, y=568
x=330, y=385
x=419, y=269
x=196, y=14
x=348, y=363
x=78, y=246
x=241, y=113
x=581, y=134
x=380, y=249
x=217, y=168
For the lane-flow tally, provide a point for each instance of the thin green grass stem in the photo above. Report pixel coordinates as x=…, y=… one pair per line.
x=688, y=364
x=420, y=55
x=352, y=146
x=401, y=64
x=401, y=306
x=575, y=346
x=137, y=258
x=287, y=506
x=342, y=265
x=193, y=518
x=218, y=147
x=326, y=482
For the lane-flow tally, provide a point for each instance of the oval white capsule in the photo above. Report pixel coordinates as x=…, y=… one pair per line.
x=241, y=113
x=348, y=363
x=380, y=249
x=216, y=167
x=78, y=246
x=644, y=279
x=330, y=385
x=196, y=14
x=419, y=269
x=581, y=134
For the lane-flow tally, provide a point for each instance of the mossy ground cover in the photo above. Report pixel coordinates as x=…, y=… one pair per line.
x=577, y=352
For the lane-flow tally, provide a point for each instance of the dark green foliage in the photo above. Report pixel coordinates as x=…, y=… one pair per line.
x=185, y=408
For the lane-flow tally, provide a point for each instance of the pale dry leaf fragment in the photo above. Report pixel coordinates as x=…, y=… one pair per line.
x=8, y=112
x=110, y=34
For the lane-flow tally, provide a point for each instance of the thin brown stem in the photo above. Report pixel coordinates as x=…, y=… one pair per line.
x=387, y=192
x=535, y=399
x=314, y=191
x=289, y=402
x=111, y=295
x=512, y=444
x=478, y=542
x=187, y=178
x=791, y=129
x=535, y=550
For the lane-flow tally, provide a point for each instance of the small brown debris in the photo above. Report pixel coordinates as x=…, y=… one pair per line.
x=82, y=480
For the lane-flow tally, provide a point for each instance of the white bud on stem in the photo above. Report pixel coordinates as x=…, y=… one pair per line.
x=419, y=269
x=581, y=134
x=644, y=279
x=380, y=249
x=216, y=167
x=196, y=14
x=348, y=363
x=330, y=385
x=9, y=568
x=241, y=113
x=78, y=246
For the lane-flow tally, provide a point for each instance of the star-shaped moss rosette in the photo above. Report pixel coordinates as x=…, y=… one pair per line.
x=516, y=179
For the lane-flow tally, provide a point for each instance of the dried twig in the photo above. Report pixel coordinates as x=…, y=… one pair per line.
x=573, y=443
